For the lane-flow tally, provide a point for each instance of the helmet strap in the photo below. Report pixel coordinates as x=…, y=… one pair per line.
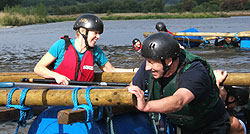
x=165, y=67
x=85, y=38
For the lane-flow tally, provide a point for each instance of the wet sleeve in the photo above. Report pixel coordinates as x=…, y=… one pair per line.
x=197, y=80
x=99, y=57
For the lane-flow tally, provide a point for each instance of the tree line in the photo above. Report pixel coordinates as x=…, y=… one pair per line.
x=61, y=7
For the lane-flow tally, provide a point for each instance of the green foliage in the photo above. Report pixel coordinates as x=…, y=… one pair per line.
x=164, y=16
x=17, y=16
x=39, y=10
x=158, y=6
x=61, y=7
x=9, y=3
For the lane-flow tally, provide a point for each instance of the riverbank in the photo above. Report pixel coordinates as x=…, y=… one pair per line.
x=11, y=20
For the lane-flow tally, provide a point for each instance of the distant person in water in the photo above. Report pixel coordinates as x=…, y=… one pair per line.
x=161, y=27
x=227, y=42
x=74, y=59
x=136, y=44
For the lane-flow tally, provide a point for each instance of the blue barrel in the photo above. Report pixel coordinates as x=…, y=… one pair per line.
x=245, y=42
x=129, y=123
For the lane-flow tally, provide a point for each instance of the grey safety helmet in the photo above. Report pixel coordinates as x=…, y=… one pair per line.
x=89, y=22
x=240, y=93
x=160, y=26
x=161, y=46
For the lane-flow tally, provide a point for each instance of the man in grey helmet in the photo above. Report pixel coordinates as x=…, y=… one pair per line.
x=181, y=87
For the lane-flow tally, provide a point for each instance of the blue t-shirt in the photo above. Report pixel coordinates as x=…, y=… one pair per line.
x=141, y=77
x=58, y=51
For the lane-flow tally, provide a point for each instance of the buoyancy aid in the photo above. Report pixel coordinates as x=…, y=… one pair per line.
x=137, y=48
x=190, y=116
x=72, y=68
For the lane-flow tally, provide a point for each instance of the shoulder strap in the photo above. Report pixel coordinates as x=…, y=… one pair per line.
x=67, y=41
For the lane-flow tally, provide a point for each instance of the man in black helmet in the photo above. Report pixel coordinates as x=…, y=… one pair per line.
x=236, y=100
x=182, y=87
x=136, y=44
x=161, y=27
x=74, y=59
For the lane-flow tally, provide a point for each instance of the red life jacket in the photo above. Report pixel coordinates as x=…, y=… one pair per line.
x=137, y=48
x=69, y=67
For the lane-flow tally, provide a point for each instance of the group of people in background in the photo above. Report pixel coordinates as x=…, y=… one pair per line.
x=182, y=87
x=226, y=42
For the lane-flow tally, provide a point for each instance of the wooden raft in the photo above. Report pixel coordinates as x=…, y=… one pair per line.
x=240, y=79
x=125, y=77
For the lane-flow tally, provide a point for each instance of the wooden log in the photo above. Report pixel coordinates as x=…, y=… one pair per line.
x=239, y=79
x=206, y=34
x=210, y=38
x=98, y=97
x=12, y=114
x=9, y=114
x=70, y=116
x=16, y=76
x=125, y=77
x=121, y=77
x=211, y=34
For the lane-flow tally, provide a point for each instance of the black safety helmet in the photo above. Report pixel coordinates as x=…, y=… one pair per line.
x=135, y=40
x=89, y=22
x=160, y=46
x=160, y=26
x=241, y=94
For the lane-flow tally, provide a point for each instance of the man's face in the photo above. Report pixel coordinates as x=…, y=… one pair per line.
x=155, y=66
x=228, y=40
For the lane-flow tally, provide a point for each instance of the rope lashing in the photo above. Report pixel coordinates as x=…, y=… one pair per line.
x=25, y=112
x=188, y=41
x=109, y=121
x=89, y=108
x=205, y=41
x=236, y=36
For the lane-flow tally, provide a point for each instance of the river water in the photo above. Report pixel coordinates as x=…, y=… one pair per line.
x=22, y=47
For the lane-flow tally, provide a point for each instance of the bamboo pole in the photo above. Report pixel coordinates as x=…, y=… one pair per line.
x=98, y=97
x=125, y=77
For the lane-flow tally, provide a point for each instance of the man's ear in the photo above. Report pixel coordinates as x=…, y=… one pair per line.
x=169, y=61
x=231, y=99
